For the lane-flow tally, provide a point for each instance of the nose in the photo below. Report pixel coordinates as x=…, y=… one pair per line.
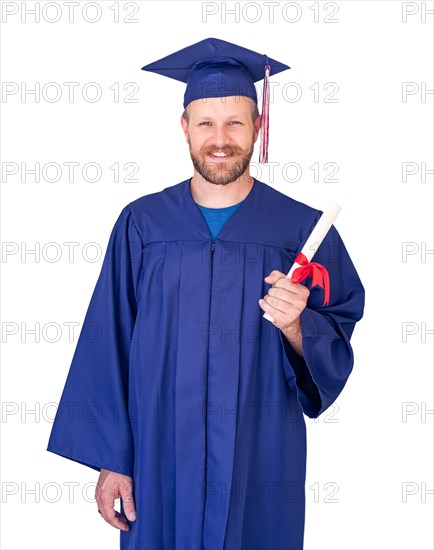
x=220, y=135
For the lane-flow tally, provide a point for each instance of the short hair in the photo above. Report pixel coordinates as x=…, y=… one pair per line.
x=253, y=110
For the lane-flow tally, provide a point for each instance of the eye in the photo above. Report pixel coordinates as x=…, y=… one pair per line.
x=206, y=122
x=235, y=122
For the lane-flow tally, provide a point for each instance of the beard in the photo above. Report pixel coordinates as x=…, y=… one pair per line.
x=222, y=172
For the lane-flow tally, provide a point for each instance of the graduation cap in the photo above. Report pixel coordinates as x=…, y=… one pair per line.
x=216, y=68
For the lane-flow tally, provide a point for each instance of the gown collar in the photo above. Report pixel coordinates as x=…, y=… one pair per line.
x=229, y=230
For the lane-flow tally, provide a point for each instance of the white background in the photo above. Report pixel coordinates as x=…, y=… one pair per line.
x=368, y=452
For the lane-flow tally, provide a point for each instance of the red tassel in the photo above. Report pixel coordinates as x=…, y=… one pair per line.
x=263, y=151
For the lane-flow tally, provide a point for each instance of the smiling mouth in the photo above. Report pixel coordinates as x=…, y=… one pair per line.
x=219, y=156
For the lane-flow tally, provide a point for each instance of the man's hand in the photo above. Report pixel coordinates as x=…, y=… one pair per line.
x=284, y=302
x=111, y=486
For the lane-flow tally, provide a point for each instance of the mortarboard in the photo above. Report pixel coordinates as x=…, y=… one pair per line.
x=216, y=68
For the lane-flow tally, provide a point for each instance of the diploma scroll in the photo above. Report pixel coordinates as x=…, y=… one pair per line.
x=314, y=240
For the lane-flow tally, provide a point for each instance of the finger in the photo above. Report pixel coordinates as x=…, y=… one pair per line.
x=105, y=499
x=282, y=294
x=280, y=280
x=298, y=291
x=274, y=276
x=105, y=502
x=279, y=319
x=295, y=300
x=115, y=519
x=126, y=491
x=285, y=282
x=285, y=308
x=277, y=314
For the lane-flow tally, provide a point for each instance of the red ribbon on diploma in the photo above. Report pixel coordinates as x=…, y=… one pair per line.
x=319, y=274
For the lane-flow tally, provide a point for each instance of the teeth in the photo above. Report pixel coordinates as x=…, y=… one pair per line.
x=219, y=155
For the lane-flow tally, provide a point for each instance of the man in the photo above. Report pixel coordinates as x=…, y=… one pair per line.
x=188, y=401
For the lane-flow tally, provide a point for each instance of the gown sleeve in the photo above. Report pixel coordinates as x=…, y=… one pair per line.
x=320, y=376
x=92, y=425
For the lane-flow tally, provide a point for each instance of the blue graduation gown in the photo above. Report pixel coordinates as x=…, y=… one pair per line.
x=178, y=381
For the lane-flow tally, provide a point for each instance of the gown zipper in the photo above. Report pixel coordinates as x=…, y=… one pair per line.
x=205, y=492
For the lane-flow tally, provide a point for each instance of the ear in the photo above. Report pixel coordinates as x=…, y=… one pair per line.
x=184, y=125
x=258, y=123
